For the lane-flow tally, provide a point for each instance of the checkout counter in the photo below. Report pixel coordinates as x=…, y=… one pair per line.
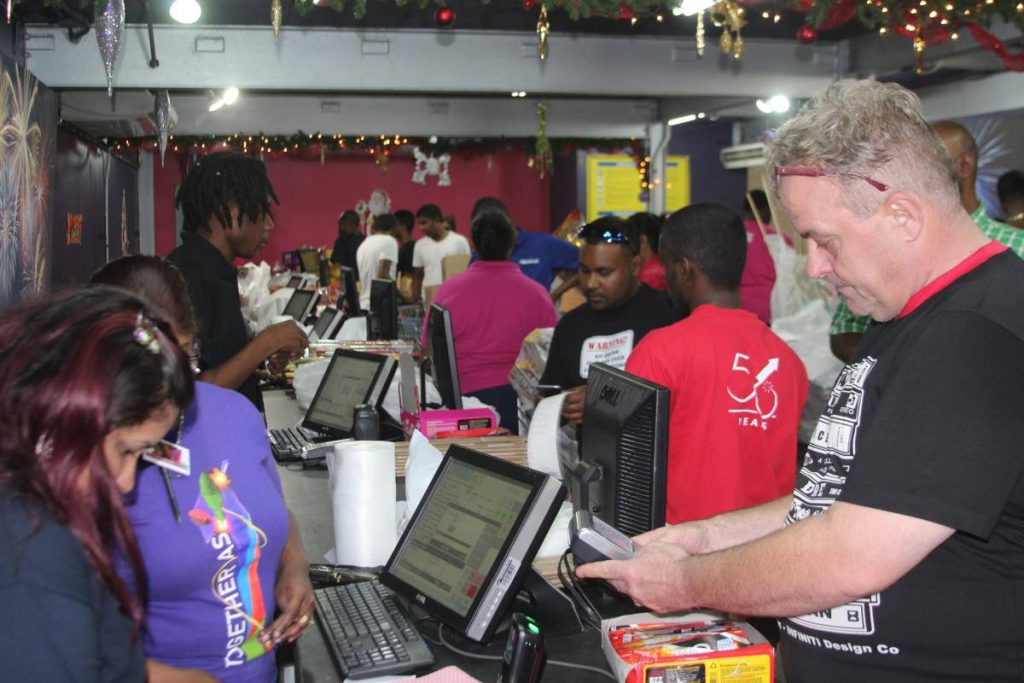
x=307, y=495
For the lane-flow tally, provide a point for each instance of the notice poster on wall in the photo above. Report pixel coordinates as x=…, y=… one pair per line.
x=613, y=185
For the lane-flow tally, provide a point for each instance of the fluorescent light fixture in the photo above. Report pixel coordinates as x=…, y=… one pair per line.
x=217, y=104
x=186, y=11
x=682, y=119
x=518, y=93
x=688, y=8
x=777, y=104
x=230, y=95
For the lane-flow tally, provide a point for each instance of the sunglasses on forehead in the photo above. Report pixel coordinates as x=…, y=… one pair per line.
x=608, y=235
x=812, y=172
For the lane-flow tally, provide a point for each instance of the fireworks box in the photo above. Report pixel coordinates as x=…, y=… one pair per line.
x=693, y=647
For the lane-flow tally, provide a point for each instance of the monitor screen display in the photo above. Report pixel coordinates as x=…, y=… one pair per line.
x=298, y=306
x=456, y=543
x=472, y=539
x=325, y=323
x=310, y=261
x=444, y=368
x=347, y=383
x=295, y=281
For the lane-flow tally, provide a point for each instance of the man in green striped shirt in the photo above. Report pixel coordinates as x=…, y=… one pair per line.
x=847, y=328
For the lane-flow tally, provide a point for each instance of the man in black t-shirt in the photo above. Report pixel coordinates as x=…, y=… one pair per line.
x=899, y=558
x=618, y=312
x=225, y=199
x=349, y=239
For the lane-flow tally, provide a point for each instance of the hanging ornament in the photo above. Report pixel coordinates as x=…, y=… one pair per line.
x=530, y=162
x=382, y=159
x=162, y=119
x=543, y=29
x=528, y=4
x=728, y=15
x=276, y=18
x=626, y=12
x=323, y=153
x=806, y=34
x=919, y=45
x=431, y=165
x=109, y=32
x=10, y=8
x=700, y=34
x=444, y=17
x=542, y=148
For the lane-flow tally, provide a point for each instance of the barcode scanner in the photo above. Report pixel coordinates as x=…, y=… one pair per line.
x=525, y=654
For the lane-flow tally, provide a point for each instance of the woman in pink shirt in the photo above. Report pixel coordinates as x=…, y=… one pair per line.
x=493, y=307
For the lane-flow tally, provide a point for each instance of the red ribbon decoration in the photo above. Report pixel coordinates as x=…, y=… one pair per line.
x=990, y=42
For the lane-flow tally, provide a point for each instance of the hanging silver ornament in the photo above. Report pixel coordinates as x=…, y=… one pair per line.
x=109, y=33
x=162, y=119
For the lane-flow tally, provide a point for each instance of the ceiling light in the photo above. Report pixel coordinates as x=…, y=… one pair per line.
x=682, y=119
x=518, y=93
x=779, y=103
x=230, y=95
x=217, y=104
x=688, y=8
x=186, y=11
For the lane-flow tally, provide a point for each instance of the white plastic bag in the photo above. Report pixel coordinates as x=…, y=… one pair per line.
x=258, y=307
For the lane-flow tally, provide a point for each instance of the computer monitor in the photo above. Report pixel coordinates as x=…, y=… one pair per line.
x=326, y=325
x=301, y=304
x=352, y=378
x=472, y=540
x=625, y=437
x=443, y=367
x=382, y=321
x=295, y=281
x=348, y=293
x=309, y=259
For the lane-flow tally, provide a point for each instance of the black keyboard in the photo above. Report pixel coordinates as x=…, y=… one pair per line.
x=368, y=632
x=288, y=443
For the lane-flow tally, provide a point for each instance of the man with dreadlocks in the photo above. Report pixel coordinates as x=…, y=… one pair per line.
x=225, y=199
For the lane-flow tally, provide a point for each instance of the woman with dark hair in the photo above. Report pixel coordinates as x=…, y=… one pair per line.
x=488, y=336
x=219, y=546
x=88, y=383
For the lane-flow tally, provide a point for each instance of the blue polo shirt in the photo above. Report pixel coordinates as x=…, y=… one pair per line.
x=539, y=255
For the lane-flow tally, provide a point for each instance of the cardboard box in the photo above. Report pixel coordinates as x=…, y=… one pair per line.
x=695, y=647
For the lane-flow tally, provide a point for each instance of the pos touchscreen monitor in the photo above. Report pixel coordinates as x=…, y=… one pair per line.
x=443, y=365
x=472, y=540
x=382, y=320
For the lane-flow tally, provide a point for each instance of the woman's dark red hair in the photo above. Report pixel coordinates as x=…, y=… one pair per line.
x=72, y=371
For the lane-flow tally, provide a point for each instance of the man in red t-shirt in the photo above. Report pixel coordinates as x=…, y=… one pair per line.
x=737, y=389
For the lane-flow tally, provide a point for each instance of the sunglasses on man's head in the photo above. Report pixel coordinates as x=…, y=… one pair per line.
x=607, y=235
x=812, y=172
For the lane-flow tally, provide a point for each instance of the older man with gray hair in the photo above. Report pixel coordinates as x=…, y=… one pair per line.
x=900, y=554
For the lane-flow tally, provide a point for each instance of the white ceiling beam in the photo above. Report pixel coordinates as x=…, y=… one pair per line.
x=420, y=116
x=419, y=61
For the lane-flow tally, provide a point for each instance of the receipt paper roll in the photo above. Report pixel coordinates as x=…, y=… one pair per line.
x=542, y=440
x=362, y=482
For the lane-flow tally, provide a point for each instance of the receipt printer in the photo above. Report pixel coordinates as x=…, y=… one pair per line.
x=525, y=654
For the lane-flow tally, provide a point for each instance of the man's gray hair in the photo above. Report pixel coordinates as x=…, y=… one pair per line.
x=871, y=128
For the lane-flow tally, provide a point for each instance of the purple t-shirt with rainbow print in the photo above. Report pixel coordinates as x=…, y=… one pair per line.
x=211, y=577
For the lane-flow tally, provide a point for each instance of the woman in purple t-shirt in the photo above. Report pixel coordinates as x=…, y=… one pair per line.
x=220, y=548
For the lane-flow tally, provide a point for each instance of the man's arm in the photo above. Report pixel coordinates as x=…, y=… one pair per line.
x=569, y=281
x=285, y=337
x=723, y=531
x=847, y=553
x=384, y=269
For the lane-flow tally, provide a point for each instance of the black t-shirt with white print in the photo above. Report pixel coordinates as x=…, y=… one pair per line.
x=928, y=421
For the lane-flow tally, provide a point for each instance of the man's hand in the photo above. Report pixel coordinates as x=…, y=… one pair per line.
x=572, y=409
x=653, y=578
x=288, y=336
x=294, y=595
x=692, y=537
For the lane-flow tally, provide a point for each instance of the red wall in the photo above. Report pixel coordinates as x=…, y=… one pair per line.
x=312, y=196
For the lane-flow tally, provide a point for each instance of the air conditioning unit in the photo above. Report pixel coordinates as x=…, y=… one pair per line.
x=743, y=156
